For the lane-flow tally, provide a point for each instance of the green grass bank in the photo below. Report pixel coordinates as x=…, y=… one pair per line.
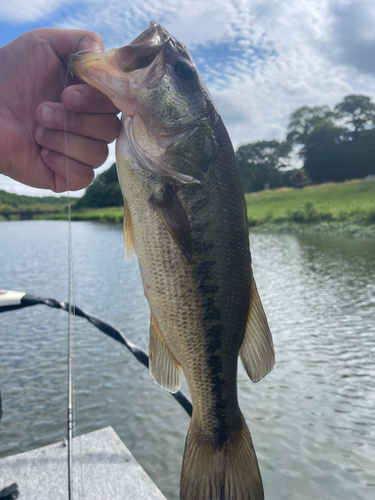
x=107, y=214
x=346, y=208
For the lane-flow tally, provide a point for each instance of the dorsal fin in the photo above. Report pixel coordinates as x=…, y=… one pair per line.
x=256, y=352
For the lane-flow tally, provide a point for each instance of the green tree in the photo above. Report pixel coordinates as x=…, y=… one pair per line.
x=359, y=111
x=333, y=150
x=260, y=163
x=103, y=192
x=304, y=120
x=331, y=154
x=325, y=153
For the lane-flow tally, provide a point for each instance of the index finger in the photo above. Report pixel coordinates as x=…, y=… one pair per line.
x=83, y=98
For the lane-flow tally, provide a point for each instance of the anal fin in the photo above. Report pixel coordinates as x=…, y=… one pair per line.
x=128, y=234
x=164, y=368
x=257, y=352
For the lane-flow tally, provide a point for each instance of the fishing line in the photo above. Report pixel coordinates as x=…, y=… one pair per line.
x=70, y=416
x=70, y=300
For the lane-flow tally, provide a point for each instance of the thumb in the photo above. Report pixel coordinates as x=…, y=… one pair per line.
x=64, y=42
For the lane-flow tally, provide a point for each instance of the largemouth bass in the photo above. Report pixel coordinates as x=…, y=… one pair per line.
x=185, y=218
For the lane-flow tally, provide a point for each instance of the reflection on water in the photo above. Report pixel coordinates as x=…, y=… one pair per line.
x=312, y=418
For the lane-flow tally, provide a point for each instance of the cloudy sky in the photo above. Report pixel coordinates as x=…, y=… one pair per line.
x=261, y=59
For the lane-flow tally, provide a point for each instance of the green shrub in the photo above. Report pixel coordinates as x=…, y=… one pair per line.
x=371, y=217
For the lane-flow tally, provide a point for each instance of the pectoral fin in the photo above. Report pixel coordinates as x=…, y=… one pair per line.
x=256, y=352
x=128, y=234
x=173, y=215
x=163, y=366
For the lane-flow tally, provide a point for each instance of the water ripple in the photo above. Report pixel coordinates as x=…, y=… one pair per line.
x=312, y=418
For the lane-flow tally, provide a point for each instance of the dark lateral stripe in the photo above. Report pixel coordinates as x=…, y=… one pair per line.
x=201, y=246
x=204, y=269
x=218, y=385
x=212, y=312
x=214, y=341
x=215, y=363
x=214, y=344
x=199, y=228
x=222, y=433
x=209, y=289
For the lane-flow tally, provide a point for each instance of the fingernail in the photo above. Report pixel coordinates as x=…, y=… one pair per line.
x=90, y=45
x=47, y=114
x=39, y=132
x=76, y=98
x=44, y=152
x=96, y=47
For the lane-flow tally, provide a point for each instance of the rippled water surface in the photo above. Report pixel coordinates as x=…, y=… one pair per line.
x=312, y=418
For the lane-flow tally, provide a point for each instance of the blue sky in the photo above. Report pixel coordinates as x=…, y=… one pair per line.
x=261, y=59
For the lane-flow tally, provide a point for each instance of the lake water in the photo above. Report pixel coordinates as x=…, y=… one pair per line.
x=312, y=418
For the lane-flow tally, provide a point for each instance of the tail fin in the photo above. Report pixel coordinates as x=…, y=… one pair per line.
x=228, y=472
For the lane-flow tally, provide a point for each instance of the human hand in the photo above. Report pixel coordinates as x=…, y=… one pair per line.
x=35, y=94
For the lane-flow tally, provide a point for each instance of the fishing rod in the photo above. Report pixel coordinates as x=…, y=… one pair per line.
x=11, y=300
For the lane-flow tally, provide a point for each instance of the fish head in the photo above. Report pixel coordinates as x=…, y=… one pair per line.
x=156, y=85
x=154, y=76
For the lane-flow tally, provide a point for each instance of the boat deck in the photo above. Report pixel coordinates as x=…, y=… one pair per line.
x=109, y=471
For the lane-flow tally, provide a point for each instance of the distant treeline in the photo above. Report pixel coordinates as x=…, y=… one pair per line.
x=334, y=145
x=15, y=206
x=103, y=192
x=15, y=201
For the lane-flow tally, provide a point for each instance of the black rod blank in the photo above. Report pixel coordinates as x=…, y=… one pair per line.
x=31, y=300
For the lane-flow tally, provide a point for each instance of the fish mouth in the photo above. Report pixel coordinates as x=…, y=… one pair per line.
x=141, y=52
x=123, y=74
x=115, y=72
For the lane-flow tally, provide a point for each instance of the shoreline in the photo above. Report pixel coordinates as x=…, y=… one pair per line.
x=347, y=228
x=332, y=228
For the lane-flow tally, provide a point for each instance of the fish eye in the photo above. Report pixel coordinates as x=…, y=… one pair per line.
x=184, y=70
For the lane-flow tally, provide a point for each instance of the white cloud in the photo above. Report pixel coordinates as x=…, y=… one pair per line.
x=27, y=11
x=284, y=61
x=284, y=53
x=353, y=34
